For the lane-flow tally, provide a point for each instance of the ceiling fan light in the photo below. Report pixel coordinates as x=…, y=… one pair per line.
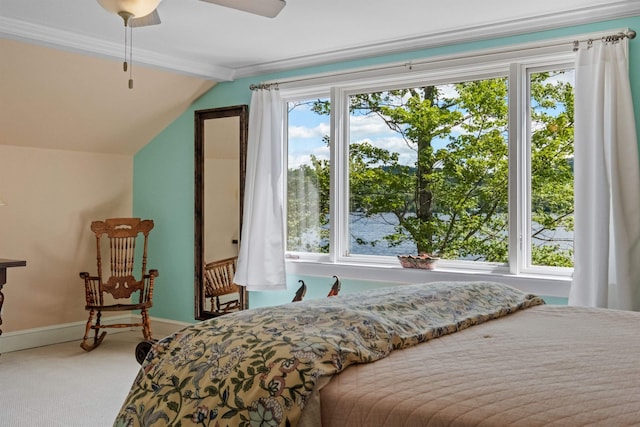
x=137, y=8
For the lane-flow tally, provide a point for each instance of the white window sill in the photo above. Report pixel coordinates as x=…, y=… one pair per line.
x=543, y=285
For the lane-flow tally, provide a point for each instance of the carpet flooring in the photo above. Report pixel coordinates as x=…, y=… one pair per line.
x=62, y=385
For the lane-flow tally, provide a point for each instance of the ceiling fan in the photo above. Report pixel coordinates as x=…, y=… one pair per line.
x=140, y=13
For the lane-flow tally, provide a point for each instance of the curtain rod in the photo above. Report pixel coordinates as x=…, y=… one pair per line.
x=264, y=86
x=612, y=38
x=606, y=39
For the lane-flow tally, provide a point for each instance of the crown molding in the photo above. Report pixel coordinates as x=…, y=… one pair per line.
x=65, y=40
x=587, y=15
x=72, y=42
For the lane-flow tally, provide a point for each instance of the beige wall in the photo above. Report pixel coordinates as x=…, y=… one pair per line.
x=52, y=196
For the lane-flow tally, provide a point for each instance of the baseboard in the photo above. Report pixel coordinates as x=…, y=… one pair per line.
x=55, y=334
x=163, y=327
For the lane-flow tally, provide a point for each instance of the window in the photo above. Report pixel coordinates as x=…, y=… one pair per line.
x=428, y=171
x=551, y=171
x=308, y=177
x=472, y=163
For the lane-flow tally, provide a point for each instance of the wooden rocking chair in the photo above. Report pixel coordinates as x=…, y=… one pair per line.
x=218, y=281
x=121, y=284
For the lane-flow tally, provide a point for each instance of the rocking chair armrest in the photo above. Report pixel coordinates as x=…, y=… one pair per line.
x=154, y=273
x=84, y=275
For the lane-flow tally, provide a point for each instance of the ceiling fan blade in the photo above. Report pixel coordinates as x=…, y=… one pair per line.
x=267, y=8
x=151, y=19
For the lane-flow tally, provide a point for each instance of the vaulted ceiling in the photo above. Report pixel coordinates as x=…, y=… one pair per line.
x=62, y=86
x=62, y=100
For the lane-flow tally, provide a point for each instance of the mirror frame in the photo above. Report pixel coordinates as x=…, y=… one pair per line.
x=200, y=116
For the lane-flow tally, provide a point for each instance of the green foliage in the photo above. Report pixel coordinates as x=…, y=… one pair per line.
x=453, y=201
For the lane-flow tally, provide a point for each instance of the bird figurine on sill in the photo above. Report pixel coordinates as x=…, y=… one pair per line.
x=300, y=292
x=335, y=289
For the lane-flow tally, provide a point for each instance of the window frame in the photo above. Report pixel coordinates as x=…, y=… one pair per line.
x=302, y=94
x=520, y=261
x=341, y=144
x=512, y=62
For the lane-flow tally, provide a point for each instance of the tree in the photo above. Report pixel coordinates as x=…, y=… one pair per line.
x=552, y=169
x=453, y=200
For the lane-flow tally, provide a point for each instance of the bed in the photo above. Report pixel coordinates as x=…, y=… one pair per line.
x=435, y=354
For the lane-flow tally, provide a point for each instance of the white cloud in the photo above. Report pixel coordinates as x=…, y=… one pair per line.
x=567, y=77
x=393, y=144
x=294, y=162
x=367, y=125
x=318, y=131
x=448, y=91
x=299, y=156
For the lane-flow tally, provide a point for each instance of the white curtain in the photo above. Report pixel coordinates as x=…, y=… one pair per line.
x=261, y=257
x=607, y=182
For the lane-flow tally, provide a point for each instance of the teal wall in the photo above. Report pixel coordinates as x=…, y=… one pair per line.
x=163, y=184
x=318, y=287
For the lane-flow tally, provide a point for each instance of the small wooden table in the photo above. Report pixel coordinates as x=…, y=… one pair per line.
x=4, y=264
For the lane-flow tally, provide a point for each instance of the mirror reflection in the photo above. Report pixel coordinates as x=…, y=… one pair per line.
x=220, y=159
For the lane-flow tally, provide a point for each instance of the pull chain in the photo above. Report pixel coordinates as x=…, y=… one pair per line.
x=126, y=16
x=124, y=64
x=130, y=57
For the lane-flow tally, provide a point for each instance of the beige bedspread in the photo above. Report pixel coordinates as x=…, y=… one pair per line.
x=548, y=365
x=259, y=367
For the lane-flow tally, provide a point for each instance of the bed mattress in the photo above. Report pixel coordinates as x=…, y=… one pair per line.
x=547, y=365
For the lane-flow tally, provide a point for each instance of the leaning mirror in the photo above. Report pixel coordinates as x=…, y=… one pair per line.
x=220, y=159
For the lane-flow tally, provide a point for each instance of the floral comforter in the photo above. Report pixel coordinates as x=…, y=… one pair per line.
x=258, y=367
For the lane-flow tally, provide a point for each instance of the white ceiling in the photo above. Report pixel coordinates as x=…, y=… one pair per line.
x=223, y=44
x=199, y=43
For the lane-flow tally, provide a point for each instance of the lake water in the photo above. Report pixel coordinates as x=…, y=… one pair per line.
x=373, y=228
x=370, y=229
x=378, y=226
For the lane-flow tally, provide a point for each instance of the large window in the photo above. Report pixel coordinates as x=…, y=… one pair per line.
x=476, y=168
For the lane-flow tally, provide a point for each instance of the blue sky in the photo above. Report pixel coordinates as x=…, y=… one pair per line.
x=306, y=130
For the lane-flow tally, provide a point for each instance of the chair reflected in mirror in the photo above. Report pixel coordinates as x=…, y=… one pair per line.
x=223, y=294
